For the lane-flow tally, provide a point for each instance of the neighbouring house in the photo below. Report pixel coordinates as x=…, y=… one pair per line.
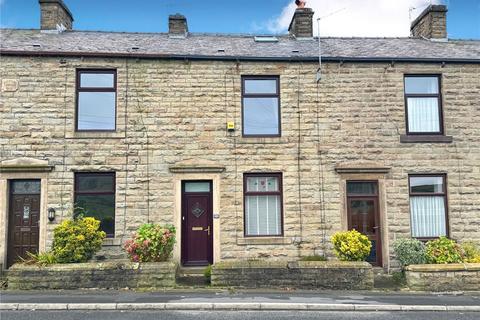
x=231, y=138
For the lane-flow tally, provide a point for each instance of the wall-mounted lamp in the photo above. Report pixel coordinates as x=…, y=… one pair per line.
x=51, y=214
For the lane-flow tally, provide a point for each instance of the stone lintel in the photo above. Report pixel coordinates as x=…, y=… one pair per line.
x=196, y=166
x=25, y=165
x=361, y=167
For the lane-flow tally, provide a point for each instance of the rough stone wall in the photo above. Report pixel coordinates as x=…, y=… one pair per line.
x=302, y=23
x=177, y=25
x=441, y=278
x=177, y=110
x=52, y=14
x=301, y=275
x=432, y=25
x=107, y=275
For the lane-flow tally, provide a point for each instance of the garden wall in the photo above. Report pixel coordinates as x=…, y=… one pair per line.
x=105, y=275
x=444, y=277
x=302, y=275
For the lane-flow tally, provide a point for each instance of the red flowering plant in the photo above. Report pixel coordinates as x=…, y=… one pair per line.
x=151, y=243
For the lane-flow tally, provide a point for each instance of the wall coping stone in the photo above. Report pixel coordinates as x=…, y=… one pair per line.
x=443, y=267
x=125, y=265
x=253, y=264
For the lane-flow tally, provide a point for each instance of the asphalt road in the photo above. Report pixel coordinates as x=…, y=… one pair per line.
x=243, y=315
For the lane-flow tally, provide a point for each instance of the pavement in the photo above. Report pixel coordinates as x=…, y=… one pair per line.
x=241, y=300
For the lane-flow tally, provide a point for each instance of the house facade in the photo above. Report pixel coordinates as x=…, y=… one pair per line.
x=231, y=138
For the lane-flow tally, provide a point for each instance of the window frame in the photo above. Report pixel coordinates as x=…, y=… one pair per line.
x=79, y=89
x=430, y=194
x=261, y=95
x=76, y=192
x=438, y=95
x=246, y=193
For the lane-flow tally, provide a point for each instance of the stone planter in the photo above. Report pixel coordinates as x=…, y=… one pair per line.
x=105, y=275
x=443, y=277
x=301, y=274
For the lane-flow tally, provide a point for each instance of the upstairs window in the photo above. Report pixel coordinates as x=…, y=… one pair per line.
x=428, y=206
x=96, y=100
x=95, y=197
x=423, y=104
x=263, y=204
x=261, y=106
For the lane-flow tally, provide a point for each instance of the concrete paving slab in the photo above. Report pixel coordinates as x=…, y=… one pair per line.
x=188, y=306
x=92, y=306
x=377, y=307
x=140, y=306
x=236, y=306
x=42, y=306
x=8, y=306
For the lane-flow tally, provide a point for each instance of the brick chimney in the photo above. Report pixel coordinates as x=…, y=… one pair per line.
x=431, y=23
x=301, y=25
x=177, y=25
x=54, y=13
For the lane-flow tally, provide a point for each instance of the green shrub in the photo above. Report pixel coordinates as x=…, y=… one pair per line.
x=471, y=252
x=77, y=240
x=313, y=258
x=151, y=243
x=41, y=259
x=409, y=251
x=443, y=250
x=351, y=245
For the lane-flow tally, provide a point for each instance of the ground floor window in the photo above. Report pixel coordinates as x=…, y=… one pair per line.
x=263, y=204
x=428, y=206
x=95, y=197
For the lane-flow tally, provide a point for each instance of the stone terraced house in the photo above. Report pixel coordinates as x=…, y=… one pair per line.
x=232, y=139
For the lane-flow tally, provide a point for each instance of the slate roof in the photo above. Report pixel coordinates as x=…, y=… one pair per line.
x=207, y=46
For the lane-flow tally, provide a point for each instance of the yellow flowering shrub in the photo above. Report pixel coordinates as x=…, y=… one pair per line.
x=471, y=252
x=351, y=245
x=77, y=240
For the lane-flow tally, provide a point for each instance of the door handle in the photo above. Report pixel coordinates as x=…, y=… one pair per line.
x=207, y=230
x=377, y=227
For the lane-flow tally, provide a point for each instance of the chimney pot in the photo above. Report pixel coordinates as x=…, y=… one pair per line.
x=54, y=13
x=431, y=23
x=177, y=25
x=301, y=25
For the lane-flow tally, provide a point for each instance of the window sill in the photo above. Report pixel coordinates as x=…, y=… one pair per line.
x=425, y=139
x=263, y=240
x=109, y=242
x=263, y=140
x=94, y=135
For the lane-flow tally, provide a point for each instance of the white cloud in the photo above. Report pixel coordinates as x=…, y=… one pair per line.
x=374, y=18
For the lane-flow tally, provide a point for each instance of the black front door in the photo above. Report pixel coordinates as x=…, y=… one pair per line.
x=197, y=223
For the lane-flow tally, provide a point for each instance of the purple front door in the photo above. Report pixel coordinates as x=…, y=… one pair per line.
x=197, y=223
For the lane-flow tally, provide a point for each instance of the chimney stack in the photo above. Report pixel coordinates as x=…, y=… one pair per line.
x=301, y=25
x=431, y=23
x=177, y=25
x=54, y=15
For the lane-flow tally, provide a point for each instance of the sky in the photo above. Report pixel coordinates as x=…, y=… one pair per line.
x=345, y=18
